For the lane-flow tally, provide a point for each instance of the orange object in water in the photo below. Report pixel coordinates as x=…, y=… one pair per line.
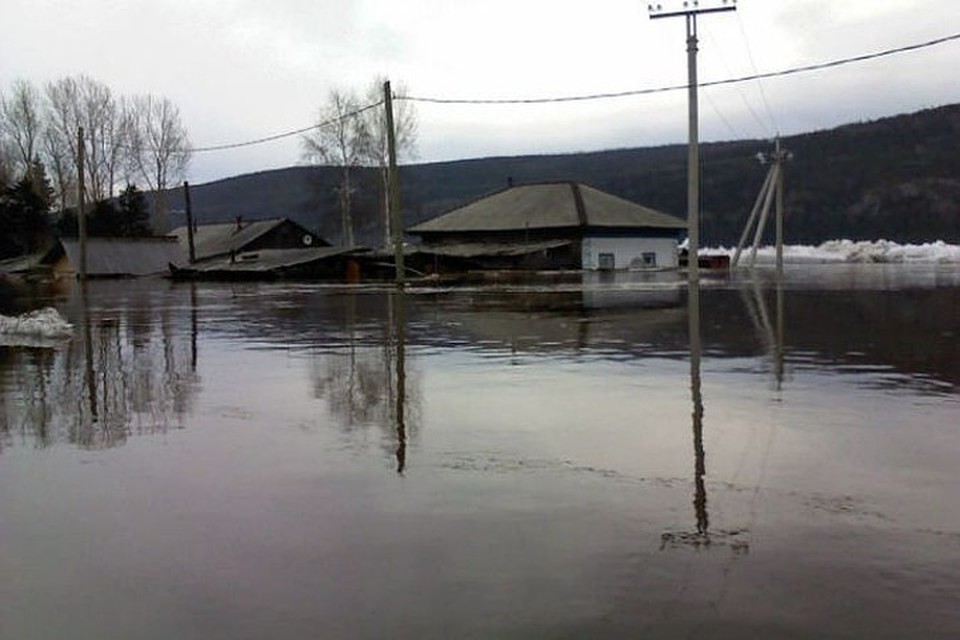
x=353, y=272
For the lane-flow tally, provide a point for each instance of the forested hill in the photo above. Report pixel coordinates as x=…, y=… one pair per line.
x=896, y=178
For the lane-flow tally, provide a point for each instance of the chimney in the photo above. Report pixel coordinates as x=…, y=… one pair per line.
x=239, y=223
x=509, y=181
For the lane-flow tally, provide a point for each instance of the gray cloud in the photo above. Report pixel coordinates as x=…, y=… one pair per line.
x=242, y=69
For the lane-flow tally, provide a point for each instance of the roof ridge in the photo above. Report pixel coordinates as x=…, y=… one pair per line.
x=578, y=201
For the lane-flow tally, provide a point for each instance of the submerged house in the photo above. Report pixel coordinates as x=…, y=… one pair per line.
x=123, y=257
x=48, y=262
x=557, y=225
x=258, y=249
x=111, y=257
x=241, y=236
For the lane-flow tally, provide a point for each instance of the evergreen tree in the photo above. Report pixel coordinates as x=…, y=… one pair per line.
x=25, y=213
x=104, y=220
x=134, y=213
x=124, y=217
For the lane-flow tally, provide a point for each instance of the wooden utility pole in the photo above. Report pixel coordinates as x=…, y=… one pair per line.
x=186, y=196
x=393, y=187
x=689, y=11
x=81, y=214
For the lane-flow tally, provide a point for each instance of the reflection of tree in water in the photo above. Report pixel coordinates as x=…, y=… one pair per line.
x=25, y=406
x=365, y=384
x=123, y=374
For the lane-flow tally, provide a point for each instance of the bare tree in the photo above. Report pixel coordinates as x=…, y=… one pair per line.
x=6, y=159
x=123, y=138
x=21, y=124
x=405, y=127
x=61, y=168
x=60, y=136
x=104, y=136
x=341, y=139
x=80, y=101
x=160, y=146
x=6, y=166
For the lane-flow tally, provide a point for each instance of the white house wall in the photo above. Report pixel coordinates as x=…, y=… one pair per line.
x=628, y=253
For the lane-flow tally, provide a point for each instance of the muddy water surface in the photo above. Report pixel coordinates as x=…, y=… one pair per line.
x=293, y=460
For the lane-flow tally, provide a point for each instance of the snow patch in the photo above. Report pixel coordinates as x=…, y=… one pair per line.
x=36, y=328
x=850, y=251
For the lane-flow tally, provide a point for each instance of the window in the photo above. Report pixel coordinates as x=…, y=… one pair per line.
x=605, y=262
x=649, y=259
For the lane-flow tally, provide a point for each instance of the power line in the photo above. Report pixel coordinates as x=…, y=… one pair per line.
x=740, y=91
x=723, y=118
x=288, y=134
x=753, y=64
x=594, y=96
x=677, y=87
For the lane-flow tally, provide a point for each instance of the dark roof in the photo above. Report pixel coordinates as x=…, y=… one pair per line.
x=124, y=256
x=222, y=238
x=47, y=255
x=268, y=260
x=24, y=263
x=546, y=206
x=487, y=249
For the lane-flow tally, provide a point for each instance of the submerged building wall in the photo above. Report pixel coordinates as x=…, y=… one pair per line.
x=612, y=253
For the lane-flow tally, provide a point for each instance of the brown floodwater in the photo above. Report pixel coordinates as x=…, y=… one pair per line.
x=572, y=460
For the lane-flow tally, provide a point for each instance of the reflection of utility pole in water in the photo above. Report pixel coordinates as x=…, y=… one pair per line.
x=81, y=201
x=400, y=329
x=771, y=332
x=91, y=381
x=193, y=327
x=778, y=353
x=700, y=537
x=700, y=465
x=351, y=318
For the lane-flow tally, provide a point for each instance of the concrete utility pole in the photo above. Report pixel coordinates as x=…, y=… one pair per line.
x=393, y=189
x=81, y=214
x=780, y=157
x=689, y=10
x=772, y=190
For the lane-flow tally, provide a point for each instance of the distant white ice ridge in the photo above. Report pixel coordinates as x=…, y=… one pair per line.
x=880, y=251
x=41, y=324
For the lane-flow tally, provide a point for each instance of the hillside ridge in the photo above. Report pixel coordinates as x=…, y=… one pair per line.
x=896, y=178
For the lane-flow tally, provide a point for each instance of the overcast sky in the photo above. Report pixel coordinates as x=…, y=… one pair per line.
x=244, y=69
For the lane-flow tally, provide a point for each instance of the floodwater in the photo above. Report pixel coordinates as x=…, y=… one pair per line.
x=205, y=461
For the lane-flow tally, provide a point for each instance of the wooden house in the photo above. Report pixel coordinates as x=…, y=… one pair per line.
x=262, y=250
x=120, y=257
x=242, y=236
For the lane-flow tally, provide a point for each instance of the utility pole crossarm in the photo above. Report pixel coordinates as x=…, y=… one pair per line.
x=689, y=7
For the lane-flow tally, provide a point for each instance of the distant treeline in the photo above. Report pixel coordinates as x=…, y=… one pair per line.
x=896, y=178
